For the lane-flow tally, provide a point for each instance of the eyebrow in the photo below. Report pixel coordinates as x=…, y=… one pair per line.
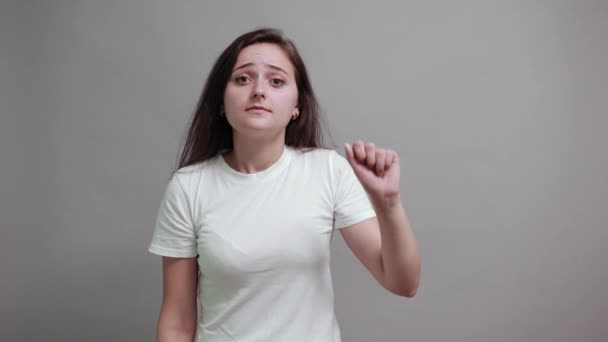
x=268, y=65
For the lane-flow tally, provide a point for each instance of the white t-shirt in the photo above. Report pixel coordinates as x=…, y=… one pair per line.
x=263, y=243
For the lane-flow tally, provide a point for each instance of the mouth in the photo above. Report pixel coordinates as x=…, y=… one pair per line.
x=257, y=109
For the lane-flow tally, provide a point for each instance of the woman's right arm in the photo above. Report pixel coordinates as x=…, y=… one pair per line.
x=178, y=316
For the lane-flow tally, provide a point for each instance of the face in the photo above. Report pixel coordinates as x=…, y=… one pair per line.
x=263, y=77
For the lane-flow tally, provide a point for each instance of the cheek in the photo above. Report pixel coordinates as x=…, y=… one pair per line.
x=232, y=96
x=287, y=99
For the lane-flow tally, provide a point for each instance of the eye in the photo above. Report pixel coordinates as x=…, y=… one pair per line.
x=277, y=81
x=241, y=79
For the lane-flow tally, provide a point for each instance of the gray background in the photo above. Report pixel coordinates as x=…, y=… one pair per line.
x=497, y=109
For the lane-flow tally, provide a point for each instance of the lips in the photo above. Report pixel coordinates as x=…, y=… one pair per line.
x=258, y=108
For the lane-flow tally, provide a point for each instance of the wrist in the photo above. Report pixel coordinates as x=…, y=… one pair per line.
x=387, y=202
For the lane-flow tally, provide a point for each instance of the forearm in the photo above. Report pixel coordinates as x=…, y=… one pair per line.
x=400, y=253
x=173, y=329
x=174, y=336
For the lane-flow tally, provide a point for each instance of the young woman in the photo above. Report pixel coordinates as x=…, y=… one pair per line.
x=245, y=223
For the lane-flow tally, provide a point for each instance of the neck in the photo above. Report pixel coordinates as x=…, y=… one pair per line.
x=251, y=155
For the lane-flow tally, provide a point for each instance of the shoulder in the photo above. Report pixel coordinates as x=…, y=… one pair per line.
x=319, y=155
x=196, y=169
x=321, y=162
x=189, y=177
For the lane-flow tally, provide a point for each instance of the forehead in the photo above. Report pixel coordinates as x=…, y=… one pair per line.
x=264, y=53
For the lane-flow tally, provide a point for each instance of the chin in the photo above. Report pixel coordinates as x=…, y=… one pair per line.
x=253, y=127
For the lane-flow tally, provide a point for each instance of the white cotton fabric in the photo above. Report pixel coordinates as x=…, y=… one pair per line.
x=263, y=243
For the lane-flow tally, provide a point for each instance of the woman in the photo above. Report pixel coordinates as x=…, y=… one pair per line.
x=245, y=223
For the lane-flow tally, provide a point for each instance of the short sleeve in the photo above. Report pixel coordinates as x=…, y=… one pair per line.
x=351, y=202
x=174, y=234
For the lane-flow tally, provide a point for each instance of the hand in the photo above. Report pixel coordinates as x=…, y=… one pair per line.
x=376, y=168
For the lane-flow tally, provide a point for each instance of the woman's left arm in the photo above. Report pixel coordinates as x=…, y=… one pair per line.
x=400, y=254
x=398, y=264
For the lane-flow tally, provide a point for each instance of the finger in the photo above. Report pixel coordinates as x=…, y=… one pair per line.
x=370, y=154
x=350, y=156
x=380, y=160
x=348, y=150
x=359, y=151
x=389, y=159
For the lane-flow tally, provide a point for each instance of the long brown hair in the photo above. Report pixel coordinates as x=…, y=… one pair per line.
x=209, y=133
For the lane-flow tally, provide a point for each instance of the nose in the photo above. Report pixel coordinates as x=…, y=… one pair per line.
x=258, y=90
